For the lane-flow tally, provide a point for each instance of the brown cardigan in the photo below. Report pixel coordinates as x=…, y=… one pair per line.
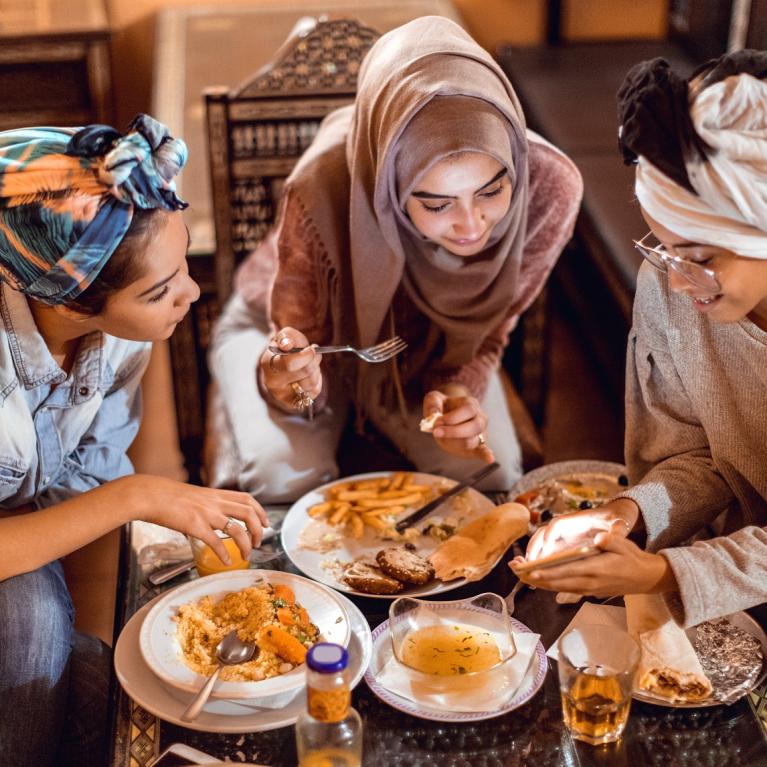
x=283, y=277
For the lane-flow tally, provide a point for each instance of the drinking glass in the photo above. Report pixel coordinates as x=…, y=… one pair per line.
x=206, y=560
x=597, y=666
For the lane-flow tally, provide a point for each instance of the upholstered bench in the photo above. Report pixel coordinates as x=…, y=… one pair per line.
x=568, y=94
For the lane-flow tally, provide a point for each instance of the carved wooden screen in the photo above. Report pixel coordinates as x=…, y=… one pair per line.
x=259, y=130
x=256, y=132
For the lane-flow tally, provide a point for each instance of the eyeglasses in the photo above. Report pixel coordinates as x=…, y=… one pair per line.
x=697, y=274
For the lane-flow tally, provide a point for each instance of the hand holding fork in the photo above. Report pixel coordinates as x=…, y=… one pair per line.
x=290, y=368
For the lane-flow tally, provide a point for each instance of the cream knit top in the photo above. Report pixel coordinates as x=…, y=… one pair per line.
x=696, y=444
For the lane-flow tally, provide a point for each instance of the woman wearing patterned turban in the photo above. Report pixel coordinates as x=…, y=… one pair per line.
x=92, y=269
x=696, y=399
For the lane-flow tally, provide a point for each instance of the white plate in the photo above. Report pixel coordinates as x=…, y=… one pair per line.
x=148, y=691
x=310, y=562
x=162, y=652
x=563, y=468
x=383, y=651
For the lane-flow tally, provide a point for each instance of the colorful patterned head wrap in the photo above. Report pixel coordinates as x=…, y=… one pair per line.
x=67, y=197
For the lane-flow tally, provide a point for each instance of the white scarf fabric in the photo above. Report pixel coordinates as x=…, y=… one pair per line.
x=730, y=208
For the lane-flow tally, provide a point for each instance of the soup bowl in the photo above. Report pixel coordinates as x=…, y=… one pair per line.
x=453, y=646
x=162, y=650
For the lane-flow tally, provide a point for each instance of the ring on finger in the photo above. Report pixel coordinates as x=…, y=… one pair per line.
x=481, y=442
x=302, y=399
x=272, y=366
x=228, y=524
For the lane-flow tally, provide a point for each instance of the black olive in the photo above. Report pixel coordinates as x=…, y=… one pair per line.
x=623, y=480
x=545, y=515
x=410, y=546
x=586, y=505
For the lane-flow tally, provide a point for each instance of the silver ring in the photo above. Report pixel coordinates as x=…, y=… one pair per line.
x=226, y=526
x=271, y=362
x=481, y=440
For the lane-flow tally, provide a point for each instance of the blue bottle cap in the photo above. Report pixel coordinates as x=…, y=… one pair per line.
x=327, y=657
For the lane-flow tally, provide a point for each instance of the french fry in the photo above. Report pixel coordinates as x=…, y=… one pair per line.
x=338, y=516
x=371, y=484
x=356, y=495
x=399, y=479
x=320, y=508
x=373, y=503
x=358, y=526
x=370, y=503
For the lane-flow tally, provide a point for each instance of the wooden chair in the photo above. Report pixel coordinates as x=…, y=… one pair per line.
x=256, y=133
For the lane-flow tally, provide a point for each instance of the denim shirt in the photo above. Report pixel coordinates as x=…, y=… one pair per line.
x=60, y=434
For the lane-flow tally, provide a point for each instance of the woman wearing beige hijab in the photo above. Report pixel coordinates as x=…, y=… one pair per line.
x=425, y=210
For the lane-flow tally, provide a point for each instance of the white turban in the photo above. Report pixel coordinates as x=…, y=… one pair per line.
x=730, y=208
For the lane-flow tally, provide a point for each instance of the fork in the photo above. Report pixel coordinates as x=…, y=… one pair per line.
x=376, y=353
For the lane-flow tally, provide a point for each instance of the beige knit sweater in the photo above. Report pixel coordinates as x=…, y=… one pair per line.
x=696, y=444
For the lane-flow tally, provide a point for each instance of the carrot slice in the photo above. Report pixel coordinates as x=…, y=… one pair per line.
x=285, y=616
x=284, y=592
x=277, y=640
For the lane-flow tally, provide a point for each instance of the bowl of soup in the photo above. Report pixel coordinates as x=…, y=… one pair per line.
x=451, y=646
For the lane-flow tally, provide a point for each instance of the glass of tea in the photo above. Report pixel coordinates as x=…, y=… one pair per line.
x=597, y=666
x=206, y=560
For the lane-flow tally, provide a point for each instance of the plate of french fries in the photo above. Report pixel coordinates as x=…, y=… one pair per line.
x=352, y=519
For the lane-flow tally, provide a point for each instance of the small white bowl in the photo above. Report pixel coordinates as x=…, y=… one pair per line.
x=161, y=649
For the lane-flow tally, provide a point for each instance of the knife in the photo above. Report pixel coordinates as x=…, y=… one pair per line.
x=416, y=516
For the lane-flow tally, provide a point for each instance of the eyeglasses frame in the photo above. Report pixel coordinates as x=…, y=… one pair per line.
x=667, y=259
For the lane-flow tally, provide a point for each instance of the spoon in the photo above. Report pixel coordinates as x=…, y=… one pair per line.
x=229, y=652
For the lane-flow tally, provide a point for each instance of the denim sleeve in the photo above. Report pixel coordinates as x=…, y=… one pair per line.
x=101, y=455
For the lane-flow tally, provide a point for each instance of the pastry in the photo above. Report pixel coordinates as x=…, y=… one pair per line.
x=669, y=666
x=475, y=548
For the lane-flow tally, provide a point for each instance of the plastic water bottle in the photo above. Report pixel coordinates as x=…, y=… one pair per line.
x=329, y=732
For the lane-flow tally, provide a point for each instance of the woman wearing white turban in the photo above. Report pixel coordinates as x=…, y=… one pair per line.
x=696, y=398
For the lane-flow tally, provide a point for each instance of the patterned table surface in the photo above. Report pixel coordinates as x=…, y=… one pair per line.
x=723, y=736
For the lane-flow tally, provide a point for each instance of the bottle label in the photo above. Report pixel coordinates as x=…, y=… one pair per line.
x=328, y=705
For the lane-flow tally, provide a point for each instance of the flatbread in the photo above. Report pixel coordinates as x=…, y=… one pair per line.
x=427, y=424
x=669, y=666
x=475, y=548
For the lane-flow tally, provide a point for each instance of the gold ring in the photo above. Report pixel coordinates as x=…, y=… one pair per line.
x=302, y=400
x=271, y=363
x=481, y=440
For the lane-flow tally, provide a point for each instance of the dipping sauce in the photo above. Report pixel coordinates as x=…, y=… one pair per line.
x=450, y=649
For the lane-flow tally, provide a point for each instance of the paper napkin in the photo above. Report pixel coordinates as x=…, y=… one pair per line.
x=601, y=615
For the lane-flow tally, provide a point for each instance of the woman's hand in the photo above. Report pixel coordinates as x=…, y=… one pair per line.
x=461, y=427
x=622, y=568
x=283, y=374
x=194, y=510
x=581, y=527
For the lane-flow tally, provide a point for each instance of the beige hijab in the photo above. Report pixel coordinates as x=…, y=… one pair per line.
x=426, y=90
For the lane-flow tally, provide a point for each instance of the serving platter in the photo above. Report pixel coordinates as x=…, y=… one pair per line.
x=325, y=566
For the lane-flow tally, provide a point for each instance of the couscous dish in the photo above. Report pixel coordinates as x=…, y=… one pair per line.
x=265, y=614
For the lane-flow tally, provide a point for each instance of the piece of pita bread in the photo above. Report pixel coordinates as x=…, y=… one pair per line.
x=669, y=666
x=427, y=424
x=475, y=548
